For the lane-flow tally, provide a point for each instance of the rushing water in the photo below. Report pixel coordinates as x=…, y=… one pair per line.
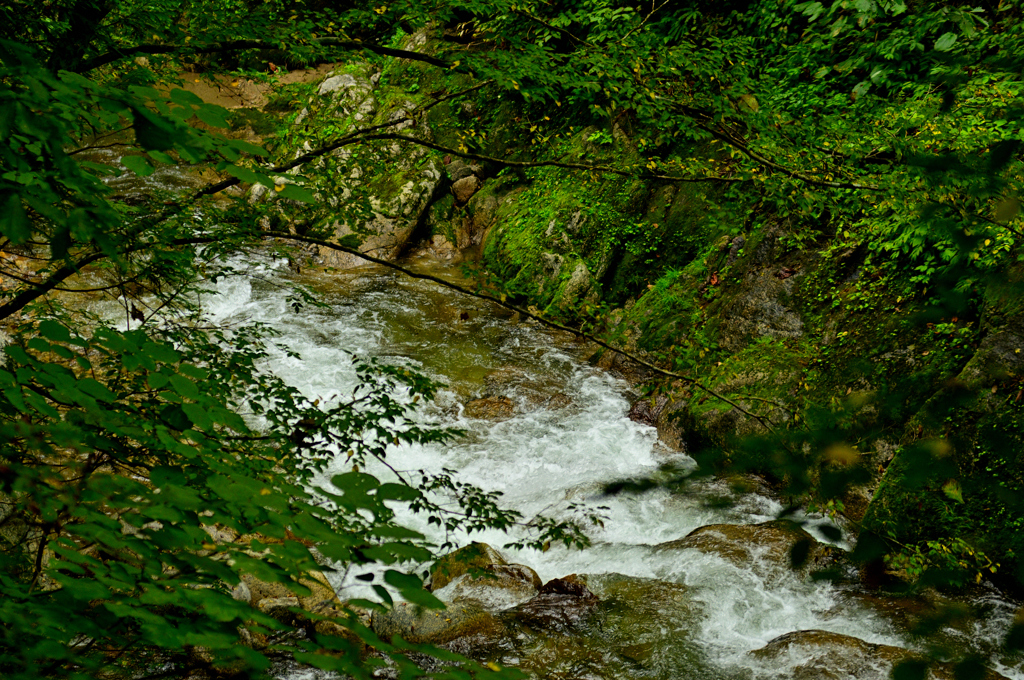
x=568, y=436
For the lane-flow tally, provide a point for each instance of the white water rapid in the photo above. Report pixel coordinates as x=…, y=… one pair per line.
x=568, y=435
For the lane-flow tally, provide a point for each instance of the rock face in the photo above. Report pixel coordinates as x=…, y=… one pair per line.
x=760, y=311
x=765, y=547
x=378, y=201
x=823, y=655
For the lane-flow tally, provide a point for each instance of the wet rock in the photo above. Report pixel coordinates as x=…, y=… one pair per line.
x=646, y=412
x=823, y=655
x=561, y=603
x=490, y=408
x=473, y=559
x=437, y=626
x=636, y=615
x=755, y=546
x=638, y=628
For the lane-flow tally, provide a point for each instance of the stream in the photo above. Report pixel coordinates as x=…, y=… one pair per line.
x=567, y=435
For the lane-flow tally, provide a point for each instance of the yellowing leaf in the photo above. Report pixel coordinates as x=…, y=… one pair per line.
x=952, y=490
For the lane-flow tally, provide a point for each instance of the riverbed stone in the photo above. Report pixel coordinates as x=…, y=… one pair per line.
x=824, y=655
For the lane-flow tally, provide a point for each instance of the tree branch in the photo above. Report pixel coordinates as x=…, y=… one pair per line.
x=550, y=164
x=731, y=141
x=41, y=288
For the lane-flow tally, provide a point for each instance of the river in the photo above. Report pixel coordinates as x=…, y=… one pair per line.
x=568, y=435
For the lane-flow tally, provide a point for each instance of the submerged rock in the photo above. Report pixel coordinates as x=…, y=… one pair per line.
x=823, y=655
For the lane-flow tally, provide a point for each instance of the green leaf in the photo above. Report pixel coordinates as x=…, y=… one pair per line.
x=137, y=164
x=297, y=193
x=945, y=42
x=412, y=589
x=198, y=415
x=248, y=147
x=214, y=116
x=244, y=174
x=175, y=417
x=952, y=490
x=14, y=223
x=184, y=386
x=185, y=97
x=54, y=331
x=153, y=132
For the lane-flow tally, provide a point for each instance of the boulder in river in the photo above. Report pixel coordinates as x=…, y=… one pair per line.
x=770, y=545
x=502, y=586
x=631, y=628
x=473, y=559
x=823, y=655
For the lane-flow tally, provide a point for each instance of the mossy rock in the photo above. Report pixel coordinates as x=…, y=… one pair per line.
x=501, y=587
x=473, y=559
